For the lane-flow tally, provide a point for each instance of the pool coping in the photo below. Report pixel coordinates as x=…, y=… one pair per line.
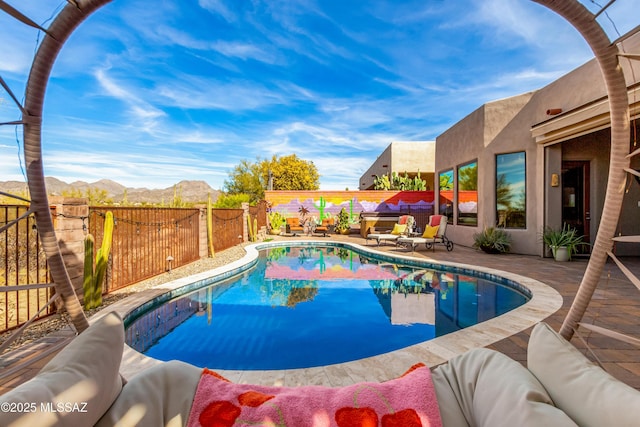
x=544, y=302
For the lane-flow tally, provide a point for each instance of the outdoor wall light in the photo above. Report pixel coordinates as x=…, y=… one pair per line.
x=555, y=180
x=169, y=260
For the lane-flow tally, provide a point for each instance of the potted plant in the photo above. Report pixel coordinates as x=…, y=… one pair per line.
x=492, y=240
x=563, y=243
x=276, y=221
x=342, y=223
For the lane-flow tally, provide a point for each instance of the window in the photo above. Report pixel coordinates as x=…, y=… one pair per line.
x=511, y=193
x=468, y=193
x=446, y=194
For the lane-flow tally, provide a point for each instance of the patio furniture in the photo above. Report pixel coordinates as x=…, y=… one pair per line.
x=434, y=233
x=378, y=221
x=403, y=227
x=327, y=226
x=294, y=226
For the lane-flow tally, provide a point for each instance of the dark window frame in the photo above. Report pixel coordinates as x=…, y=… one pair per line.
x=466, y=220
x=506, y=223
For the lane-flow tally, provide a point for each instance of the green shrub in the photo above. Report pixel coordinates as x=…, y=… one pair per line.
x=567, y=237
x=492, y=240
x=231, y=201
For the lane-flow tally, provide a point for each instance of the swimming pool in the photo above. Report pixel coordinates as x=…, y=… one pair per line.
x=305, y=306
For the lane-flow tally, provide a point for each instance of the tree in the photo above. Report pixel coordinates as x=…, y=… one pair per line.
x=244, y=178
x=231, y=201
x=288, y=173
x=468, y=177
x=504, y=195
x=291, y=173
x=446, y=181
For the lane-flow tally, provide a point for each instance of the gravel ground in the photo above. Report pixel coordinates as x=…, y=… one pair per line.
x=60, y=320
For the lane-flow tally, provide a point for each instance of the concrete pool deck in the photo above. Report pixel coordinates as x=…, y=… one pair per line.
x=616, y=304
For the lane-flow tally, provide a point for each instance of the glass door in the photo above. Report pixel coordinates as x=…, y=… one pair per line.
x=576, y=211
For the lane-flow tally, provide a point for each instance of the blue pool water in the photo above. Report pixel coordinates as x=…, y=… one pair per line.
x=313, y=306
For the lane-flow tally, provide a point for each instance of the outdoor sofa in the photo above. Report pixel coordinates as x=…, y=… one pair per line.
x=378, y=221
x=478, y=388
x=295, y=226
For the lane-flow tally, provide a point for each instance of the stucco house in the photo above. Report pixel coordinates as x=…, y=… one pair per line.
x=538, y=159
x=412, y=157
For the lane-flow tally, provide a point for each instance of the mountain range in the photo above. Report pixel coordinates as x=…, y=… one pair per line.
x=187, y=191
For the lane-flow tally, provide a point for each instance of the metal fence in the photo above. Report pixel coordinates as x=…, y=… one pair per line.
x=22, y=263
x=227, y=228
x=146, y=241
x=143, y=241
x=259, y=211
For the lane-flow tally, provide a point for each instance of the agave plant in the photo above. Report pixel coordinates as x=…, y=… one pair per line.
x=492, y=240
x=568, y=237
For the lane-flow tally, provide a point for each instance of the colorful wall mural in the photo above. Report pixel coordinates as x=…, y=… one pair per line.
x=323, y=204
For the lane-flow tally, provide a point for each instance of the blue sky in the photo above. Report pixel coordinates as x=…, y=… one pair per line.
x=150, y=92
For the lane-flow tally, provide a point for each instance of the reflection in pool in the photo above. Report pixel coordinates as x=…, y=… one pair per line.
x=313, y=306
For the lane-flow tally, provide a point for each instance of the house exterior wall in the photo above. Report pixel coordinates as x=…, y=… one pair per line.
x=498, y=127
x=400, y=157
x=522, y=123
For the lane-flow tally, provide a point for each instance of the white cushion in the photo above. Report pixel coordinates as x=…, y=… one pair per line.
x=485, y=388
x=77, y=386
x=158, y=396
x=588, y=394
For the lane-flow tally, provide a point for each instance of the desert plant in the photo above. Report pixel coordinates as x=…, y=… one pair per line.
x=342, y=223
x=231, y=201
x=276, y=220
x=253, y=228
x=492, y=240
x=93, y=277
x=567, y=237
x=397, y=182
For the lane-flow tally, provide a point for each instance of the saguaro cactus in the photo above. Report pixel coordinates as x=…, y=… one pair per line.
x=253, y=228
x=93, y=277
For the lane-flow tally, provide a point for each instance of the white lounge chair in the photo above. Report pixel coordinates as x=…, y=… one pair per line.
x=402, y=228
x=439, y=221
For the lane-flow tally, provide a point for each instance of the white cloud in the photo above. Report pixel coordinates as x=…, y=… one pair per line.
x=140, y=109
x=193, y=92
x=218, y=7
